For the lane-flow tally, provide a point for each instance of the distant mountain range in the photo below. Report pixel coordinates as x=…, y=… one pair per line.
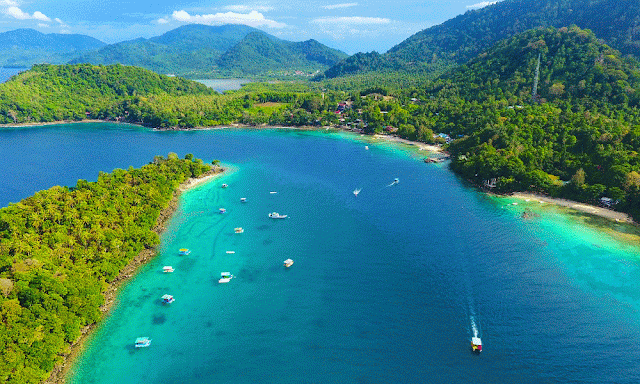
x=436, y=49
x=25, y=47
x=190, y=50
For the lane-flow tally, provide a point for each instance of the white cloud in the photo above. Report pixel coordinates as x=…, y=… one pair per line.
x=355, y=20
x=40, y=16
x=42, y=25
x=162, y=20
x=249, y=7
x=17, y=13
x=58, y=21
x=337, y=6
x=482, y=4
x=8, y=3
x=253, y=19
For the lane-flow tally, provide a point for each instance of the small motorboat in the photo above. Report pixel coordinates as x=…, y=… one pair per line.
x=225, y=277
x=231, y=252
x=243, y=199
x=143, y=342
x=238, y=230
x=356, y=191
x=225, y=185
x=167, y=299
x=167, y=269
x=273, y=192
x=276, y=215
x=288, y=263
x=366, y=147
x=222, y=210
x=476, y=344
x=184, y=252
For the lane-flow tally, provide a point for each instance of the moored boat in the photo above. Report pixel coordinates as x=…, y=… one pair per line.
x=168, y=299
x=184, y=251
x=476, y=344
x=276, y=215
x=243, y=199
x=225, y=185
x=288, y=263
x=238, y=230
x=222, y=210
x=167, y=269
x=143, y=342
x=225, y=277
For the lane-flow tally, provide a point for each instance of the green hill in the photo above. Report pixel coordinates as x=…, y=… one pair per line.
x=25, y=47
x=434, y=50
x=75, y=92
x=259, y=53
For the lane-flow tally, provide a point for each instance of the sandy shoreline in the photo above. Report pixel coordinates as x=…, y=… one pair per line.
x=59, y=373
x=421, y=146
x=582, y=207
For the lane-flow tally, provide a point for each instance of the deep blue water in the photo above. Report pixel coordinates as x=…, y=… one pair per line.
x=385, y=286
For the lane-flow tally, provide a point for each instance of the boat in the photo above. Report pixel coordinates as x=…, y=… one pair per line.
x=288, y=263
x=243, y=199
x=356, y=191
x=143, y=342
x=276, y=215
x=231, y=252
x=273, y=192
x=476, y=344
x=184, y=252
x=167, y=269
x=222, y=210
x=395, y=181
x=225, y=185
x=225, y=277
x=168, y=299
x=366, y=147
x=238, y=230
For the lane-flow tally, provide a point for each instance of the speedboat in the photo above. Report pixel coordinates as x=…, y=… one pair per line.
x=243, y=199
x=184, y=252
x=356, y=191
x=238, y=230
x=231, y=252
x=276, y=215
x=168, y=299
x=167, y=269
x=476, y=344
x=143, y=342
x=225, y=185
x=288, y=263
x=225, y=277
x=222, y=210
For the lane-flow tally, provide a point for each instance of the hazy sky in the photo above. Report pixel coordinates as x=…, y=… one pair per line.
x=349, y=25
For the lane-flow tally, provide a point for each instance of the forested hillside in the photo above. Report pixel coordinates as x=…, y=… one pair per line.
x=75, y=92
x=259, y=53
x=61, y=247
x=434, y=50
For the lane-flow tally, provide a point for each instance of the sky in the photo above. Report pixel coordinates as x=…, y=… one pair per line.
x=349, y=25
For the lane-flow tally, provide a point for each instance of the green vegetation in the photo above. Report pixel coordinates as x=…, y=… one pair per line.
x=200, y=51
x=60, y=248
x=434, y=50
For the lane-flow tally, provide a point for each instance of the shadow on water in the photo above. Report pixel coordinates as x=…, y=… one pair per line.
x=159, y=319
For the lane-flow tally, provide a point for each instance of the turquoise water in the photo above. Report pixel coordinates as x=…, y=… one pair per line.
x=386, y=286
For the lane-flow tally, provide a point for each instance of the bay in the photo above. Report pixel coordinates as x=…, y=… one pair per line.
x=6, y=73
x=386, y=286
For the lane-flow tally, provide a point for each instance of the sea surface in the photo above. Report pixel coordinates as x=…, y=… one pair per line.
x=386, y=286
x=221, y=85
x=6, y=73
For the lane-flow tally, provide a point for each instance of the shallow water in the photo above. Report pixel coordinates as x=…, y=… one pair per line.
x=384, y=287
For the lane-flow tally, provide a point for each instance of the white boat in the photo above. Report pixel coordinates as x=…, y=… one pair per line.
x=366, y=147
x=238, y=230
x=222, y=210
x=143, y=342
x=476, y=344
x=243, y=199
x=168, y=299
x=276, y=215
x=273, y=192
x=288, y=263
x=225, y=277
x=167, y=269
x=184, y=252
x=231, y=252
x=356, y=191
x=225, y=185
